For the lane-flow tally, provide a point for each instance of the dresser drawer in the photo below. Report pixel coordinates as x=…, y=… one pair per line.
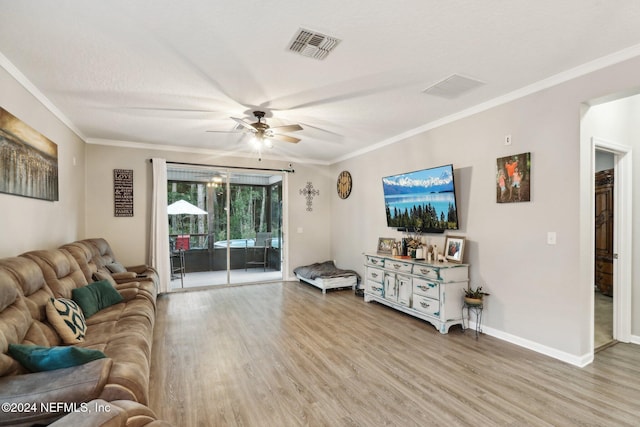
x=375, y=274
x=426, y=305
x=398, y=266
x=426, y=288
x=375, y=261
x=427, y=271
x=374, y=288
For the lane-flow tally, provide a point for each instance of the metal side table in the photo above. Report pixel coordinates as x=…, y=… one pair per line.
x=477, y=310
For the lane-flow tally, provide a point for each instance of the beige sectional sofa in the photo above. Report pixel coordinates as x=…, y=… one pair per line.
x=123, y=331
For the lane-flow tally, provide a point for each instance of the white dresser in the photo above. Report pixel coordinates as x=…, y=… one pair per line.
x=430, y=291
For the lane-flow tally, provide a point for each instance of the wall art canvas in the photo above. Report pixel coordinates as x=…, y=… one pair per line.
x=513, y=178
x=28, y=160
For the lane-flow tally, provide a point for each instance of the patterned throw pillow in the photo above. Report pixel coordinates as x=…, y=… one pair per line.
x=67, y=319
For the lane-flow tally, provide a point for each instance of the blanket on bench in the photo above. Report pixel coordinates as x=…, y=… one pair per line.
x=324, y=270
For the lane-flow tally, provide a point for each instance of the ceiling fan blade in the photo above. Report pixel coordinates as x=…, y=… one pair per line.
x=286, y=128
x=284, y=138
x=244, y=124
x=226, y=131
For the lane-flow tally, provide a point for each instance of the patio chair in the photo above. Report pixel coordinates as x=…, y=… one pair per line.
x=260, y=248
x=176, y=258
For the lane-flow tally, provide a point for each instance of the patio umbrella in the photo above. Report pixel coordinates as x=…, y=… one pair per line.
x=184, y=207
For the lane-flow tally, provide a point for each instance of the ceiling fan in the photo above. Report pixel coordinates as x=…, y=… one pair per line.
x=262, y=131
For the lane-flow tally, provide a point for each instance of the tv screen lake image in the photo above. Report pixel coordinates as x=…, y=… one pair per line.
x=422, y=199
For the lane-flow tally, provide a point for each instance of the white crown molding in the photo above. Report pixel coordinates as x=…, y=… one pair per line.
x=554, y=80
x=33, y=90
x=196, y=150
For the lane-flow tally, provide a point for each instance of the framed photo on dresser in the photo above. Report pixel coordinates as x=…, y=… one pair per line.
x=385, y=245
x=454, y=249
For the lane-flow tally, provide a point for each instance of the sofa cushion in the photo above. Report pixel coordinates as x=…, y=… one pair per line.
x=104, y=275
x=60, y=270
x=95, y=297
x=102, y=255
x=68, y=320
x=37, y=358
x=116, y=267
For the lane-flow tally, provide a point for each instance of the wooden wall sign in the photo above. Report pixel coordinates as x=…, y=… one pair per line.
x=122, y=192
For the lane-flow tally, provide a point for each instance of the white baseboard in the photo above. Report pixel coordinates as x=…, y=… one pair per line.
x=580, y=361
x=634, y=339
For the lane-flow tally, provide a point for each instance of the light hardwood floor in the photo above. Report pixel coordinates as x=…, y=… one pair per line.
x=603, y=319
x=284, y=354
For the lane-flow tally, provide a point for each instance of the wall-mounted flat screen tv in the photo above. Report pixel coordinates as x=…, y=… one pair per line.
x=423, y=200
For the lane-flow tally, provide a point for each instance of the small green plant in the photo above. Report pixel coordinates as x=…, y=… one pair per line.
x=476, y=293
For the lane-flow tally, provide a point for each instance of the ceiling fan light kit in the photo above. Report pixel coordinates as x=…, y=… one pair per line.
x=263, y=134
x=258, y=142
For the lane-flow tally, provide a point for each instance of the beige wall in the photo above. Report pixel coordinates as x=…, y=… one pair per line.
x=27, y=224
x=540, y=296
x=130, y=236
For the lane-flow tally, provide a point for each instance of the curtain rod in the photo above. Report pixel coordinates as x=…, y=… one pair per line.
x=290, y=170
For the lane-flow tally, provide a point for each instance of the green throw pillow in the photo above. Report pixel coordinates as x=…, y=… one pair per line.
x=36, y=358
x=95, y=296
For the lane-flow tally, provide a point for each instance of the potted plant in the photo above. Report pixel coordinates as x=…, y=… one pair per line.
x=474, y=296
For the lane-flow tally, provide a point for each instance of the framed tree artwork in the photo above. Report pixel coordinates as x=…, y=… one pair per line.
x=28, y=160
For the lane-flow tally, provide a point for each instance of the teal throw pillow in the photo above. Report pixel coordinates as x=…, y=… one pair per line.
x=36, y=358
x=95, y=296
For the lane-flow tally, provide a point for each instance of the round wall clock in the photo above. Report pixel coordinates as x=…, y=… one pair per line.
x=344, y=184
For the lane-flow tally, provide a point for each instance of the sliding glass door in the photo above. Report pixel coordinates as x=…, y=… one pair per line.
x=238, y=236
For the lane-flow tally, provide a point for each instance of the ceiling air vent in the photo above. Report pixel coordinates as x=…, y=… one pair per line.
x=312, y=44
x=453, y=86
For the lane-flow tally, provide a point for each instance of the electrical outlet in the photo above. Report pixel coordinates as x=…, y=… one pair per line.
x=551, y=238
x=507, y=140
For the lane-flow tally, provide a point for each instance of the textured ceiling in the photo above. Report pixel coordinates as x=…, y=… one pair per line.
x=160, y=72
